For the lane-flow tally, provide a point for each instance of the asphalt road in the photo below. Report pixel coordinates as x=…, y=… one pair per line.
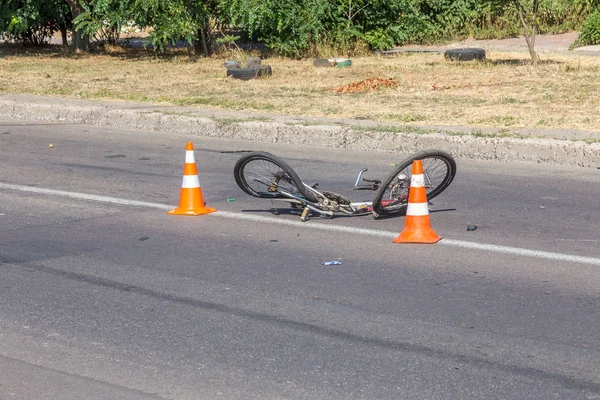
x=101, y=300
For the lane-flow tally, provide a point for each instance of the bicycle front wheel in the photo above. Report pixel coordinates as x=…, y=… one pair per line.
x=265, y=175
x=439, y=169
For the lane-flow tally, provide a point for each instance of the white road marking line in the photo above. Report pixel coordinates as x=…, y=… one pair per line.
x=84, y=196
x=317, y=226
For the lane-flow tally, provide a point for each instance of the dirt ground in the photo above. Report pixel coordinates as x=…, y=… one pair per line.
x=543, y=44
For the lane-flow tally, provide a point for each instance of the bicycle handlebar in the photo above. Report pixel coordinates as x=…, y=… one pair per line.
x=370, y=187
x=375, y=182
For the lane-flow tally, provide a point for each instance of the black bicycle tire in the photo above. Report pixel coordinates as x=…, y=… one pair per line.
x=378, y=210
x=238, y=172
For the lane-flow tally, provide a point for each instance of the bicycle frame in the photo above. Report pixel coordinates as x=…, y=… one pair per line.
x=282, y=183
x=326, y=205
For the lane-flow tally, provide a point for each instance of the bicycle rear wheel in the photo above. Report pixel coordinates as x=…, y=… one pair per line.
x=439, y=169
x=264, y=175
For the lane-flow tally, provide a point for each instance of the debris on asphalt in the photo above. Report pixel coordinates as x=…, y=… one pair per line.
x=230, y=200
x=471, y=227
x=331, y=263
x=143, y=238
x=51, y=145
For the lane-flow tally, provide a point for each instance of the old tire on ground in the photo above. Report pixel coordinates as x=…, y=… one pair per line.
x=323, y=62
x=466, y=54
x=250, y=73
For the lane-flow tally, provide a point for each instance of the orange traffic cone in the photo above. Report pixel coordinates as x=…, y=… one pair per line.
x=191, y=201
x=417, y=228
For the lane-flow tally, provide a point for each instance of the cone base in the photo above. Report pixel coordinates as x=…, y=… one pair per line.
x=418, y=236
x=201, y=211
x=191, y=203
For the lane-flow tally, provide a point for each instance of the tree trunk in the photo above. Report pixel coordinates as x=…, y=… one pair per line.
x=81, y=41
x=63, y=34
x=203, y=40
x=191, y=49
x=530, y=32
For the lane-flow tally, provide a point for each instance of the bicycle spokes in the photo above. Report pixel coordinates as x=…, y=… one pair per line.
x=428, y=183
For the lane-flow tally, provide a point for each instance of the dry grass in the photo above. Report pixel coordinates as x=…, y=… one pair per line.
x=506, y=92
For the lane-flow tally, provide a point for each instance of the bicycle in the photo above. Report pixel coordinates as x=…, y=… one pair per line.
x=264, y=175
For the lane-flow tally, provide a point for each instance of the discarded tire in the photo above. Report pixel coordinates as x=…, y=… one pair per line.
x=322, y=62
x=467, y=54
x=250, y=73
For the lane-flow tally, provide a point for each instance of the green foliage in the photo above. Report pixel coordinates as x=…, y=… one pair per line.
x=379, y=39
x=295, y=28
x=590, y=31
x=298, y=28
x=31, y=22
x=554, y=16
x=104, y=19
x=169, y=20
x=287, y=26
x=228, y=40
x=448, y=18
x=387, y=23
x=484, y=19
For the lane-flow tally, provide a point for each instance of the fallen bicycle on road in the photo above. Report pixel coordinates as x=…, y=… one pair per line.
x=264, y=175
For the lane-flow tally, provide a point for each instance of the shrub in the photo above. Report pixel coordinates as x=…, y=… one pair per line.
x=590, y=31
x=289, y=27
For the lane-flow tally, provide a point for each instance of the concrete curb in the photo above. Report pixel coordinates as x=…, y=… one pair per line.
x=368, y=137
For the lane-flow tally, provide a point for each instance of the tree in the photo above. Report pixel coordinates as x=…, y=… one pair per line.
x=81, y=39
x=169, y=20
x=32, y=22
x=527, y=11
x=529, y=28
